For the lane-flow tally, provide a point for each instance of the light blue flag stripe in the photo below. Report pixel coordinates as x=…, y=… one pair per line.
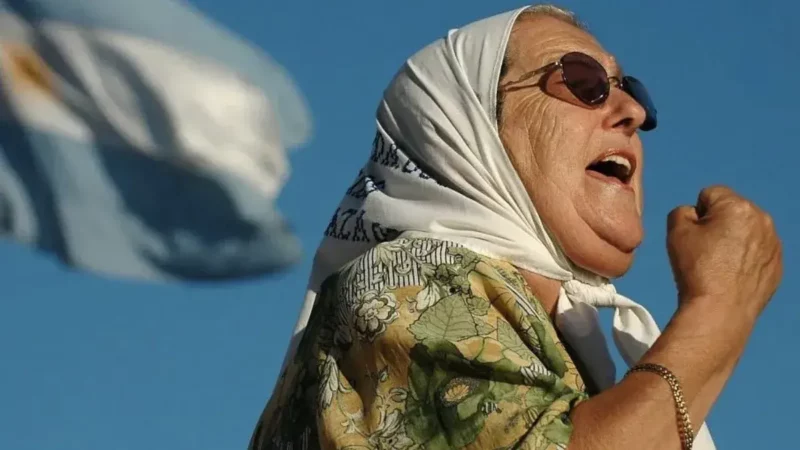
x=113, y=165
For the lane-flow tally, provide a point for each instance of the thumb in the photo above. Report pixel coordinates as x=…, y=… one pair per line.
x=711, y=196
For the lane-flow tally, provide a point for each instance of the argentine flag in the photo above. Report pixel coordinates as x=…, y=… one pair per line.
x=139, y=139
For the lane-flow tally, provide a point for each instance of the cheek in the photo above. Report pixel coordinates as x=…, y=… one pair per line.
x=560, y=140
x=552, y=166
x=530, y=134
x=548, y=142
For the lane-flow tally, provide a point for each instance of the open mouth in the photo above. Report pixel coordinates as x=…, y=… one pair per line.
x=615, y=167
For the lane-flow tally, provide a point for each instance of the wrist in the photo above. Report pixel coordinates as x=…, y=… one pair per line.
x=713, y=312
x=703, y=338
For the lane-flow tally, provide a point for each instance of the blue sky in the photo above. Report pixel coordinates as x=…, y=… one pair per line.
x=91, y=363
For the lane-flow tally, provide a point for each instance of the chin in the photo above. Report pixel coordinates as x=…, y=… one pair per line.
x=613, y=267
x=609, y=258
x=599, y=236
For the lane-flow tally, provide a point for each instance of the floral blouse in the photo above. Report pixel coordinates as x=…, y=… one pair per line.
x=423, y=344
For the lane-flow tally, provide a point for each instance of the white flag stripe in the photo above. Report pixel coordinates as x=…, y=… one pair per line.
x=220, y=120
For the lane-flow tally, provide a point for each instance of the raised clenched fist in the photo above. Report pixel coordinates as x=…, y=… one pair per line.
x=725, y=248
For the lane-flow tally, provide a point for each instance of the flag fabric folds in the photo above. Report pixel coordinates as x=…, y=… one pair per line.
x=140, y=139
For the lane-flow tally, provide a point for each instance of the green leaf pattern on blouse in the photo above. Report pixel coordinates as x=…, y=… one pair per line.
x=424, y=344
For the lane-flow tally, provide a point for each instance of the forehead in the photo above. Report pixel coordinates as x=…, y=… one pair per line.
x=541, y=40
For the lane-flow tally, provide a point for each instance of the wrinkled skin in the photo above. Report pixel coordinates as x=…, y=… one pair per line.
x=551, y=138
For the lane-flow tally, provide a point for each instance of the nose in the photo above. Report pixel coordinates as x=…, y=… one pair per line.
x=623, y=113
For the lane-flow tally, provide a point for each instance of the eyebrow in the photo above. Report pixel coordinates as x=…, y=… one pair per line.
x=616, y=69
x=610, y=63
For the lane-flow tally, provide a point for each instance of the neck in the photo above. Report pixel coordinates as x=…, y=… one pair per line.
x=545, y=289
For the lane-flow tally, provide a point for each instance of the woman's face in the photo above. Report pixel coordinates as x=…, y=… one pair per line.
x=554, y=140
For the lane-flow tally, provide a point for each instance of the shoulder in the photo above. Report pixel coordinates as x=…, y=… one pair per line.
x=420, y=271
x=409, y=262
x=433, y=294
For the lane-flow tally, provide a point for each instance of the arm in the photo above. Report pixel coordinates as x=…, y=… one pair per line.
x=701, y=348
x=726, y=258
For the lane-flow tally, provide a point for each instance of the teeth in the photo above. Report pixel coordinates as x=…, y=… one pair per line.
x=618, y=160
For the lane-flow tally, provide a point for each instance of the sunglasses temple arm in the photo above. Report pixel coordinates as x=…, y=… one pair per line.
x=532, y=74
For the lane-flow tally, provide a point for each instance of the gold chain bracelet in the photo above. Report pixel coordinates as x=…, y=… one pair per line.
x=685, y=430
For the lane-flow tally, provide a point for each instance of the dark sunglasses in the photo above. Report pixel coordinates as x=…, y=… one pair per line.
x=589, y=82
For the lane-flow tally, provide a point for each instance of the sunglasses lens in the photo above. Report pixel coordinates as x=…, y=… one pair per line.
x=638, y=92
x=585, y=77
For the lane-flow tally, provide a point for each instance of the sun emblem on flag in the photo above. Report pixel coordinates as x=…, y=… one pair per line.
x=25, y=69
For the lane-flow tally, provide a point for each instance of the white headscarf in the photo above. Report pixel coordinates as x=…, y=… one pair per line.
x=438, y=169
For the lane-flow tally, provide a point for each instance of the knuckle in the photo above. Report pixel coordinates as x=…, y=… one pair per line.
x=743, y=207
x=719, y=188
x=716, y=191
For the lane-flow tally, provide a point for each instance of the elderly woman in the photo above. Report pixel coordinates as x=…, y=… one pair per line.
x=452, y=303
